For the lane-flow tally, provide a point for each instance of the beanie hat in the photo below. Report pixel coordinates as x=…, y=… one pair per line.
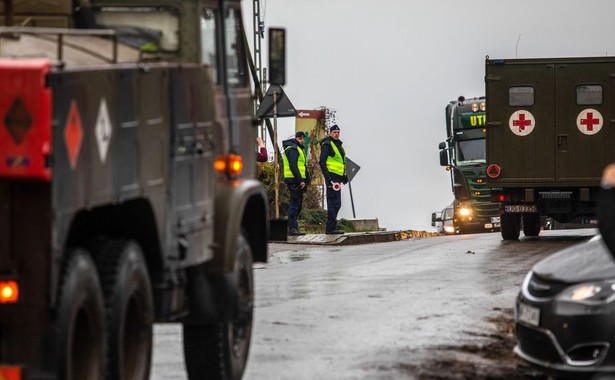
x=334, y=128
x=299, y=134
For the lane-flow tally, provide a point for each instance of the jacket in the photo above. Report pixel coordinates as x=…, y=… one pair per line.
x=291, y=158
x=326, y=153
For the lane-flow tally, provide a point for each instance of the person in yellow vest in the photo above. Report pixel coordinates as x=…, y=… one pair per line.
x=333, y=165
x=296, y=177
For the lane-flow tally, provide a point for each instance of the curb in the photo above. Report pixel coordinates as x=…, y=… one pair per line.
x=354, y=238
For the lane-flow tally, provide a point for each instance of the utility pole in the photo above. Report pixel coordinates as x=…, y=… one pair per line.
x=259, y=34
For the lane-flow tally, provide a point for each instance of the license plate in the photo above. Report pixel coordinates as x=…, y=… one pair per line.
x=520, y=208
x=495, y=220
x=529, y=314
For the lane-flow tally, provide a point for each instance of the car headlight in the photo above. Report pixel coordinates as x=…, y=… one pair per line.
x=590, y=293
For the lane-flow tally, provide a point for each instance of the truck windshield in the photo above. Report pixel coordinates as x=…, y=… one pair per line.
x=145, y=28
x=471, y=152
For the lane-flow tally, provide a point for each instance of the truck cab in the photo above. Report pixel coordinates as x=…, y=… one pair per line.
x=463, y=155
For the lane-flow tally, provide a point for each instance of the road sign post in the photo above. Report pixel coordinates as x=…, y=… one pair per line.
x=351, y=170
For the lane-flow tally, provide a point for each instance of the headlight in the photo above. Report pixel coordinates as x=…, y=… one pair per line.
x=465, y=211
x=590, y=293
x=449, y=229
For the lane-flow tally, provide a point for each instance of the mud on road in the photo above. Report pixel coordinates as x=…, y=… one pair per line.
x=490, y=357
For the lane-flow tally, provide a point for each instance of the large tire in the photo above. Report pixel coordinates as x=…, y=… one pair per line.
x=531, y=224
x=79, y=322
x=510, y=226
x=129, y=309
x=220, y=351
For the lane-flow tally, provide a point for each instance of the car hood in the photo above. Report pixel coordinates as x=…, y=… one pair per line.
x=589, y=261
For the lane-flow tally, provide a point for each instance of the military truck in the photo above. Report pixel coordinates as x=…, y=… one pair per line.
x=463, y=154
x=126, y=187
x=549, y=136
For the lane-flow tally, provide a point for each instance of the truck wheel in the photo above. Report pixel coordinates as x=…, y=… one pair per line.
x=531, y=224
x=220, y=351
x=129, y=309
x=510, y=226
x=80, y=320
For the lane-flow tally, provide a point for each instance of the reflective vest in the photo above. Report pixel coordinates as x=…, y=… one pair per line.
x=336, y=164
x=301, y=163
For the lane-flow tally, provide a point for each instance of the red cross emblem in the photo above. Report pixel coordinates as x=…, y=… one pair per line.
x=589, y=121
x=521, y=123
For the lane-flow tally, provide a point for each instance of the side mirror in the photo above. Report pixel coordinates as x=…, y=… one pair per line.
x=443, y=158
x=435, y=217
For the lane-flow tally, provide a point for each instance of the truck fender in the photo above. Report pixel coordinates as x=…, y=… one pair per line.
x=240, y=206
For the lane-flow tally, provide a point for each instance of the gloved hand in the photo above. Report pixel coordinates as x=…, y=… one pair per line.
x=345, y=179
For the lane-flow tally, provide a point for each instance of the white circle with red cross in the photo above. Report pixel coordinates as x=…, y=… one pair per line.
x=521, y=123
x=589, y=121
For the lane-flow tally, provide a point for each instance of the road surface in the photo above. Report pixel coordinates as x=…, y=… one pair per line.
x=424, y=308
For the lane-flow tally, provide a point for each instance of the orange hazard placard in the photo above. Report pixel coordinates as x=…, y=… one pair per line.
x=10, y=373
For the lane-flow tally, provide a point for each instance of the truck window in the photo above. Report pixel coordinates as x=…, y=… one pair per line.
x=236, y=72
x=471, y=151
x=521, y=96
x=209, y=51
x=589, y=94
x=147, y=28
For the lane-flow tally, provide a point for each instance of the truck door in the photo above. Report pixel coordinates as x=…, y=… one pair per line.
x=584, y=117
x=520, y=122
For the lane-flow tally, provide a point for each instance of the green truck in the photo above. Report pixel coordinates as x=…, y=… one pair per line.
x=550, y=133
x=463, y=154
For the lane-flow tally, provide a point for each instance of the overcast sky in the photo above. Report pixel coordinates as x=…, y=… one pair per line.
x=389, y=67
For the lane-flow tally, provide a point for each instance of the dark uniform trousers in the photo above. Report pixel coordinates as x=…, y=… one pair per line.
x=294, y=208
x=334, y=203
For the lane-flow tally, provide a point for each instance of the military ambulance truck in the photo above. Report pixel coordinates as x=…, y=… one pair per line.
x=127, y=191
x=550, y=133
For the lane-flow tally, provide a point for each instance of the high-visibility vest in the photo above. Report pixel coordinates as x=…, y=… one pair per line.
x=336, y=164
x=301, y=163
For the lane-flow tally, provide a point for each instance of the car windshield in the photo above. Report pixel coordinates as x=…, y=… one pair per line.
x=145, y=28
x=471, y=152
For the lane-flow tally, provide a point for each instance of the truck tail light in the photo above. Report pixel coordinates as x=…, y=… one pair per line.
x=9, y=292
x=10, y=373
x=231, y=165
x=25, y=119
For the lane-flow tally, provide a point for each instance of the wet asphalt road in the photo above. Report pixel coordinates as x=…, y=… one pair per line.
x=424, y=308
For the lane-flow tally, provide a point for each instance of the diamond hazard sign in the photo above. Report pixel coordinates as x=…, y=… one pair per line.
x=103, y=130
x=589, y=121
x=73, y=134
x=522, y=123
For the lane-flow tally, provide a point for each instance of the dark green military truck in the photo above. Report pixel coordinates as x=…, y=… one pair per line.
x=127, y=190
x=550, y=133
x=463, y=154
